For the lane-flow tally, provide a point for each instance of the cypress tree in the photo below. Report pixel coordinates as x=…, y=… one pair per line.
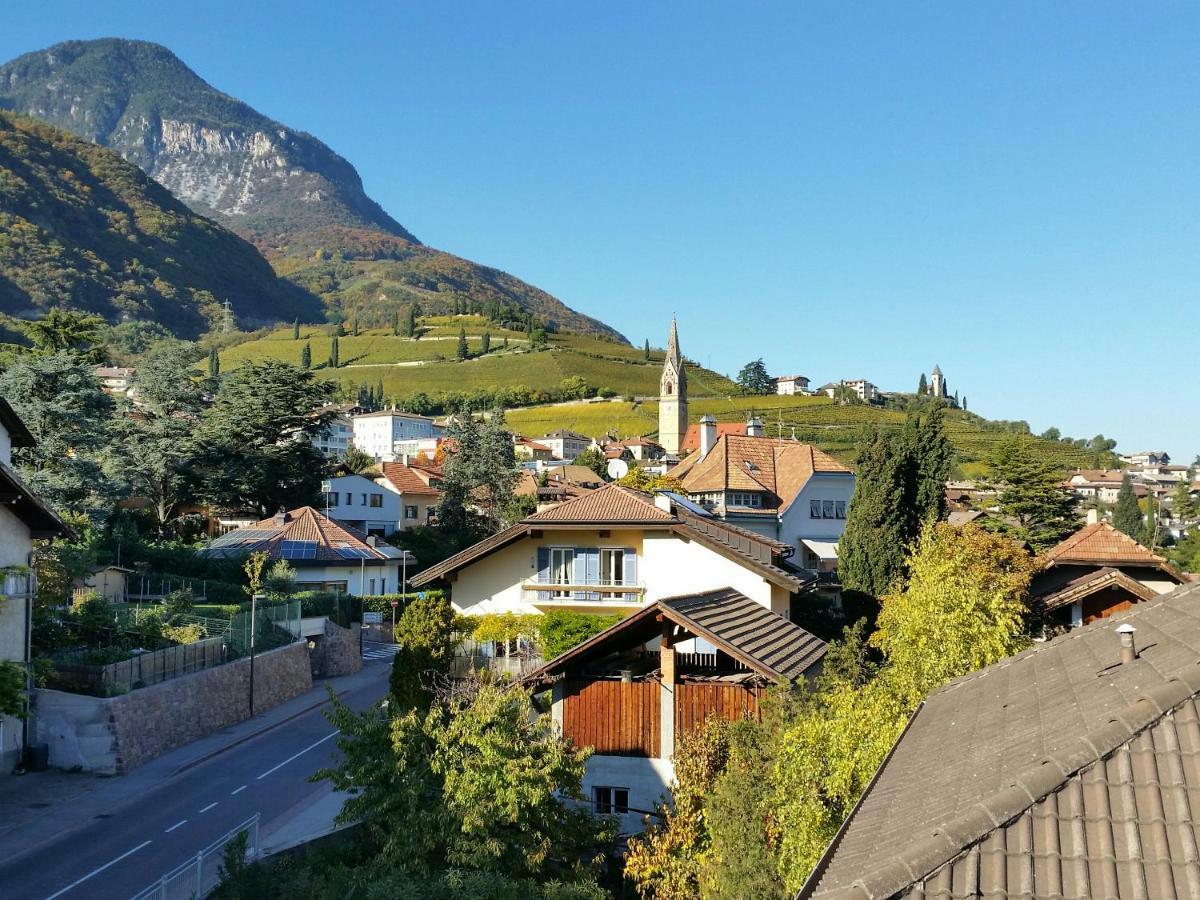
x=922, y=386
x=379, y=394
x=646, y=351
x=333, y=353
x=354, y=327
x=396, y=322
x=410, y=322
x=296, y=330
x=1127, y=515
x=486, y=343
x=504, y=344
x=462, y=343
x=214, y=363
x=306, y=356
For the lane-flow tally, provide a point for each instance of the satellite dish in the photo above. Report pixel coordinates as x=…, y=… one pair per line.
x=617, y=469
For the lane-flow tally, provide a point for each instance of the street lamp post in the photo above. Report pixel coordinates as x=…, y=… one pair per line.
x=253, y=621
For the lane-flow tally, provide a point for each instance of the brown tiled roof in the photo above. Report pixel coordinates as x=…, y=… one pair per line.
x=759, y=639
x=691, y=437
x=610, y=504
x=304, y=524
x=407, y=481
x=1101, y=543
x=1057, y=773
x=778, y=469
x=1087, y=584
x=1106, y=476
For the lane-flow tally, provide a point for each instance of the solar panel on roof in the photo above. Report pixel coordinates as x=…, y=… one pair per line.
x=241, y=536
x=354, y=553
x=298, y=549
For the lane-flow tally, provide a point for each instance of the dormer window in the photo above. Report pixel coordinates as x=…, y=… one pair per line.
x=744, y=498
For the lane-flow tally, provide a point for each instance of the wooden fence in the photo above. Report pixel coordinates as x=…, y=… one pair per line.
x=614, y=717
x=695, y=702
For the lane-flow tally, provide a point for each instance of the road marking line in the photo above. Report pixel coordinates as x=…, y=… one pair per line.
x=207, y=808
x=298, y=755
x=95, y=872
x=176, y=825
x=238, y=791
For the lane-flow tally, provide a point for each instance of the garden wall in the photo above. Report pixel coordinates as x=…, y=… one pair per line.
x=336, y=651
x=113, y=735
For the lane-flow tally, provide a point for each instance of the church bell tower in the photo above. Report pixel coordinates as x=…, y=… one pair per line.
x=672, y=397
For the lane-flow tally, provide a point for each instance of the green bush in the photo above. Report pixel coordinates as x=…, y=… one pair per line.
x=562, y=629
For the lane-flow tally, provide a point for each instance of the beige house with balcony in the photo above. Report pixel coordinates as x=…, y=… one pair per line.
x=615, y=550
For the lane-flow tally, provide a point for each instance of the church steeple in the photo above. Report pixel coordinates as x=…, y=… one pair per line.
x=672, y=396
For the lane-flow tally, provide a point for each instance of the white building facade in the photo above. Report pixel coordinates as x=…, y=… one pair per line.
x=389, y=435
x=361, y=503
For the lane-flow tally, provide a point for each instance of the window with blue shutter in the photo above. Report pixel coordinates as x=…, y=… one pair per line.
x=631, y=570
x=543, y=570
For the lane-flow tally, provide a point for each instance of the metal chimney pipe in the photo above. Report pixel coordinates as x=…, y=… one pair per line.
x=1128, y=650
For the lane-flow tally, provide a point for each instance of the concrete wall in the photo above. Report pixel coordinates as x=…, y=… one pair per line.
x=336, y=651
x=797, y=523
x=647, y=780
x=667, y=565
x=113, y=735
x=356, y=577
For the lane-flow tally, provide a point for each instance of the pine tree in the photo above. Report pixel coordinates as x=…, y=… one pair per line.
x=296, y=330
x=1127, y=516
x=214, y=363
x=410, y=322
x=333, y=353
x=306, y=356
x=485, y=343
x=753, y=378
x=1030, y=494
x=922, y=386
x=463, y=350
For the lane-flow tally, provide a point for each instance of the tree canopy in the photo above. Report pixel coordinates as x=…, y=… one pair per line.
x=753, y=378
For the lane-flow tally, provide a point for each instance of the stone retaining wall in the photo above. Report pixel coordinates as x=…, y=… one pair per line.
x=112, y=735
x=336, y=651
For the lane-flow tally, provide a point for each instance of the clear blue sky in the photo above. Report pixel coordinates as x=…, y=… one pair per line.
x=847, y=190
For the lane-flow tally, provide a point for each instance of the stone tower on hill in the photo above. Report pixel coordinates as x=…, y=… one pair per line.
x=937, y=383
x=672, y=397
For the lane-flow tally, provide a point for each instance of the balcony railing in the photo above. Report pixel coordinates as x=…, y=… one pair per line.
x=17, y=584
x=599, y=592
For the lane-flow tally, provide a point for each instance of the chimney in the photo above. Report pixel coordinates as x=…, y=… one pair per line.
x=663, y=502
x=281, y=517
x=754, y=428
x=1128, y=650
x=1093, y=516
x=708, y=435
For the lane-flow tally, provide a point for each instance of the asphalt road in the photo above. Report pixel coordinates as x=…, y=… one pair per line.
x=123, y=850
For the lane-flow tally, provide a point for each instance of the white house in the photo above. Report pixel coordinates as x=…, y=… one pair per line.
x=565, y=444
x=116, y=381
x=615, y=550
x=389, y=434
x=863, y=389
x=1096, y=484
x=335, y=440
x=1147, y=458
x=362, y=504
x=326, y=554
x=785, y=490
x=790, y=385
x=23, y=517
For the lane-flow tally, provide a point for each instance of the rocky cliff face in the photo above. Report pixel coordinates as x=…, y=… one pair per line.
x=299, y=202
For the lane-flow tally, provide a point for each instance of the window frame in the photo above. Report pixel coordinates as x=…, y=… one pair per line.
x=566, y=562
x=607, y=799
x=410, y=512
x=814, y=509
x=617, y=554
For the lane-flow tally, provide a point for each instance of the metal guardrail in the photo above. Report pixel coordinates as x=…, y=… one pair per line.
x=197, y=877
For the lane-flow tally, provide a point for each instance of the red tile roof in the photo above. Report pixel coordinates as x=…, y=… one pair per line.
x=609, y=504
x=691, y=437
x=1100, y=543
x=406, y=480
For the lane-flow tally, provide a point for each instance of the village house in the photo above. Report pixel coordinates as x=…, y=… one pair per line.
x=361, y=503
x=526, y=450
x=1147, y=458
x=638, y=449
x=1069, y=770
x=417, y=491
x=389, y=434
x=326, y=554
x=787, y=491
x=565, y=444
x=334, y=441
x=116, y=381
x=24, y=517
x=615, y=550
x=860, y=387
x=1100, y=485
x=1096, y=572
x=631, y=691
x=790, y=385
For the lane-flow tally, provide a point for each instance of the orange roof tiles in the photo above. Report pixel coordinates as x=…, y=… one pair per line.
x=611, y=503
x=301, y=524
x=777, y=468
x=407, y=481
x=1101, y=543
x=691, y=437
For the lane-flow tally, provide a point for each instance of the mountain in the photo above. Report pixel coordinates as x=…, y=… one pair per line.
x=79, y=226
x=299, y=202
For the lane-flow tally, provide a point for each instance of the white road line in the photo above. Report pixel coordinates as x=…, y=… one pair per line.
x=176, y=825
x=95, y=872
x=238, y=791
x=207, y=808
x=298, y=755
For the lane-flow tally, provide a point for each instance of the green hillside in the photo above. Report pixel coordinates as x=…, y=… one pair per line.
x=83, y=228
x=429, y=365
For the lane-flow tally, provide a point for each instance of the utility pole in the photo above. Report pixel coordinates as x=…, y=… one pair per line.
x=253, y=617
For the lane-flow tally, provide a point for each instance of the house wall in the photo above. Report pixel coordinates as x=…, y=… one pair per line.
x=377, y=435
x=667, y=566
x=350, y=508
x=798, y=524
x=356, y=578
x=647, y=780
x=15, y=549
